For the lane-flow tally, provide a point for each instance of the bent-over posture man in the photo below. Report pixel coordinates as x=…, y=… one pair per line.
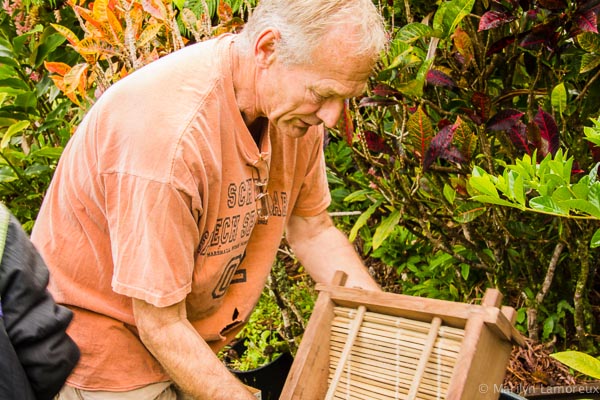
x=170, y=201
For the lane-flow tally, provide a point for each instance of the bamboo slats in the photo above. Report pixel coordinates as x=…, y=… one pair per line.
x=389, y=357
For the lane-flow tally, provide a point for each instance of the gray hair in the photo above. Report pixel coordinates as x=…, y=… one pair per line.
x=303, y=24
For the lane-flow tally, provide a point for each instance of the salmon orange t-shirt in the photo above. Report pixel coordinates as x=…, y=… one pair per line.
x=154, y=198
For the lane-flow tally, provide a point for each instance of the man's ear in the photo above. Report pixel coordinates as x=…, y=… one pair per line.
x=265, y=45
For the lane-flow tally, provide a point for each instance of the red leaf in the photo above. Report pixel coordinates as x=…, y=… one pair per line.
x=384, y=90
x=376, y=143
x=504, y=120
x=346, y=125
x=500, y=45
x=441, y=147
x=376, y=102
x=518, y=136
x=439, y=78
x=587, y=21
x=493, y=19
x=482, y=104
x=540, y=35
x=548, y=131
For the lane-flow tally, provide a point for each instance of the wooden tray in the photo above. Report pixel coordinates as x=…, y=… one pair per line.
x=367, y=345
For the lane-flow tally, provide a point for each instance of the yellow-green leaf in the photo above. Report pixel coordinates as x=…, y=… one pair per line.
x=148, y=34
x=559, y=98
x=67, y=33
x=11, y=131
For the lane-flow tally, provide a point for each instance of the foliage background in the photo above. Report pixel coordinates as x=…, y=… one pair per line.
x=468, y=164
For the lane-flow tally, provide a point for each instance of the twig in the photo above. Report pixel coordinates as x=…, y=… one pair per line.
x=539, y=298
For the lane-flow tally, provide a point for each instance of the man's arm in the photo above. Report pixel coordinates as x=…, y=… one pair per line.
x=184, y=355
x=323, y=249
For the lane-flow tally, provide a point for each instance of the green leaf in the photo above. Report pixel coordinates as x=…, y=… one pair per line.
x=481, y=181
x=449, y=193
x=13, y=83
x=450, y=14
x=592, y=134
x=11, y=131
x=580, y=362
x=385, y=228
x=546, y=204
x=464, y=271
x=589, y=42
x=595, y=243
x=413, y=32
x=468, y=212
x=589, y=62
x=581, y=205
x=359, y=195
x=362, y=220
x=548, y=328
x=595, y=240
x=51, y=43
x=559, y=98
x=494, y=200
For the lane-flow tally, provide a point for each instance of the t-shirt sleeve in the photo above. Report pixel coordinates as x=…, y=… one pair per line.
x=314, y=196
x=154, y=234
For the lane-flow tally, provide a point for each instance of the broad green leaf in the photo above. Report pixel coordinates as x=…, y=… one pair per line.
x=494, y=200
x=547, y=205
x=7, y=174
x=359, y=195
x=548, y=328
x=589, y=62
x=592, y=134
x=20, y=41
x=385, y=228
x=362, y=220
x=464, y=271
x=11, y=131
x=594, y=195
x=413, y=31
x=580, y=362
x=559, y=98
x=18, y=84
x=468, y=212
x=589, y=42
x=581, y=205
x=50, y=152
x=51, y=43
x=449, y=15
x=414, y=87
x=484, y=185
x=581, y=189
x=595, y=240
x=449, y=193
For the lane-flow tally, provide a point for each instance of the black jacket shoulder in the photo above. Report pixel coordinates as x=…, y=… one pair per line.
x=32, y=322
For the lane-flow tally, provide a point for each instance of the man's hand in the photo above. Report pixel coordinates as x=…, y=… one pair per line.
x=184, y=355
x=323, y=249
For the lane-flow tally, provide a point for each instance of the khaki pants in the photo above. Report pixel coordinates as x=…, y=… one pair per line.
x=156, y=391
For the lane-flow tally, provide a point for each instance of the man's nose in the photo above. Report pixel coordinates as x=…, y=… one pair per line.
x=330, y=112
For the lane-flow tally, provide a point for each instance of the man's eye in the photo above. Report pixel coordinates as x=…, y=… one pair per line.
x=319, y=98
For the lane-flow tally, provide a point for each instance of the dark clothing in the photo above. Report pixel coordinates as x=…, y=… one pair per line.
x=36, y=355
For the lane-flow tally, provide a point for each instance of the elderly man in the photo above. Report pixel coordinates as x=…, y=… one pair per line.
x=169, y=203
